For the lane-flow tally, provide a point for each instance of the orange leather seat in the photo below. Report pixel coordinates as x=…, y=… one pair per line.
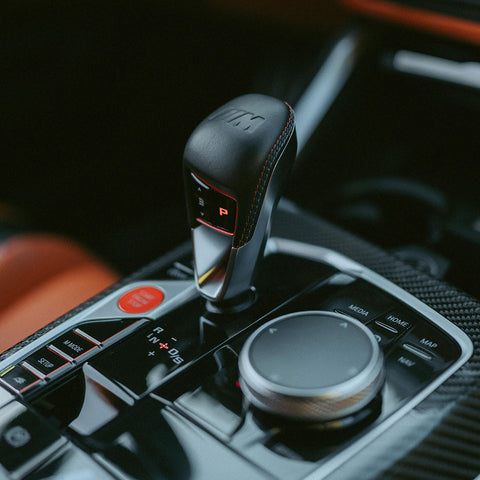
x=42, y=277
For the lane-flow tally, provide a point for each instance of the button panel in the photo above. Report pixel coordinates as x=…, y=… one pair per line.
x=61, y=352
x=414, y=348
x=414, y=351
x=211, y=206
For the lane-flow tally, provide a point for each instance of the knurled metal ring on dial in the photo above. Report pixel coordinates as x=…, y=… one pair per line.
x=313, y=365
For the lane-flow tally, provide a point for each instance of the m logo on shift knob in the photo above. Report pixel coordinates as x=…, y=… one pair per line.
x=242, y=119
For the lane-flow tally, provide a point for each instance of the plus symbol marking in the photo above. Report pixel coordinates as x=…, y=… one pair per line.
x=163, y=345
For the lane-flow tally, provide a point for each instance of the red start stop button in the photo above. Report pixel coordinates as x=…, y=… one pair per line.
x=141, y=300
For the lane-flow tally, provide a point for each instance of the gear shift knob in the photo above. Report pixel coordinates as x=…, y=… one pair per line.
x=235, y=163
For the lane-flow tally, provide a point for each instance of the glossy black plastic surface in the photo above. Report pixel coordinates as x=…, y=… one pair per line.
x=25, y=439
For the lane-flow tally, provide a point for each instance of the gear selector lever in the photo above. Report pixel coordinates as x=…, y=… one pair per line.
x=235, y=163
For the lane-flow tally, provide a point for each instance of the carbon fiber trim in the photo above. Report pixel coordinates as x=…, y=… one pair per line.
x=450, y=452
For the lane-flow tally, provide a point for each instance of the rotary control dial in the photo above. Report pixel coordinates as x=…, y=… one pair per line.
x=316, y=366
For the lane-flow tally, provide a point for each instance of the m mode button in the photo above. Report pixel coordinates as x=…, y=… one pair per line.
x=71, y=345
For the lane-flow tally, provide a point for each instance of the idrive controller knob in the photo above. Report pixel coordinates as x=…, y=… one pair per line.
x=235, y=163
x=311, y=366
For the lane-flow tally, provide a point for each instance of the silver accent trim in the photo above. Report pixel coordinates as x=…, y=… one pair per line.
x=62, y=354
x=351, y=267
x=33, y=370
x=416, y=351
x=172, y=289
x=79, y=332
x=184, y=268
x=386, y=327
x=5, y=396
x=437, y=68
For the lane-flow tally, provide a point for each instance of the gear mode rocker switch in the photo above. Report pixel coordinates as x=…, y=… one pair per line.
x=235, y=164
x=142, y=361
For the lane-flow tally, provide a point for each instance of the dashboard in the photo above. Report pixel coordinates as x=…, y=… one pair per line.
x=357, y=355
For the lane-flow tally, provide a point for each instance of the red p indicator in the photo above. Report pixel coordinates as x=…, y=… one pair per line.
x=222, y=211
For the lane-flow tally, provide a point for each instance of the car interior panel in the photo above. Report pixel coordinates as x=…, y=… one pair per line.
x=240, y=240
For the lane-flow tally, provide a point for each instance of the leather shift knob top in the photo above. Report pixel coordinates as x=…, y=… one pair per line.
x=236, y=149
x=235, y=163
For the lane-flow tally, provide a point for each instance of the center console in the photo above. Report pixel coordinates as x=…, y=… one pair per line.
x=279, y=347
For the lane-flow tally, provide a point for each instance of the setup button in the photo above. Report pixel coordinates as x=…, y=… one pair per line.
x=46, y=361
